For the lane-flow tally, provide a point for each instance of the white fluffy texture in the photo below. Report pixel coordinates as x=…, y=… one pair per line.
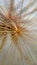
x=25, y=53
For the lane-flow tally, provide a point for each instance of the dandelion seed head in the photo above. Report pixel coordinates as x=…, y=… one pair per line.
x=18, y=36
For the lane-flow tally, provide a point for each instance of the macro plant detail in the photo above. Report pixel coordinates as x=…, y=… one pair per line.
x=18, y=32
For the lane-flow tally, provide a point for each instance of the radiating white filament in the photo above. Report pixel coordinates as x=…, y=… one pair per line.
x=25, y=51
